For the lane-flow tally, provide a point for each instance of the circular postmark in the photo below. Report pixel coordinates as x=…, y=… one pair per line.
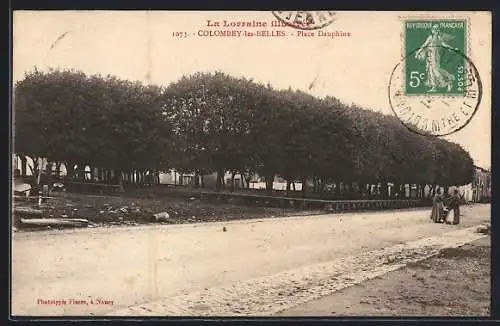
x=306, y=20
x=439, y=95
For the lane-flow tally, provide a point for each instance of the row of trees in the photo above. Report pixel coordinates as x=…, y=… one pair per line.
x=212, y=122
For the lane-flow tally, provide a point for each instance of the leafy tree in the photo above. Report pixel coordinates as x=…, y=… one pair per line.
x=213, y=122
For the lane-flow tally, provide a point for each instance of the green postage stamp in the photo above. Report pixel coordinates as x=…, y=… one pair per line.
x=435, y=89
x=432, y=66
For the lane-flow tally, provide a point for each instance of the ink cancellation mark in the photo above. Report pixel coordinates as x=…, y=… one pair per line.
x=436, y=89
x=306, y=20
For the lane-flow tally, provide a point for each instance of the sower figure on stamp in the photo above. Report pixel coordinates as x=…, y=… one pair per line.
x=437, y=77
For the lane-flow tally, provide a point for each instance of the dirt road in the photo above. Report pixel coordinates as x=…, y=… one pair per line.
x=186, y=269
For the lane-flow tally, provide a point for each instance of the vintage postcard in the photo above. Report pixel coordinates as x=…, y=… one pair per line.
x=251, y=163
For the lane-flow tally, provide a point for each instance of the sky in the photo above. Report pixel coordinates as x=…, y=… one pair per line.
x=144, y=46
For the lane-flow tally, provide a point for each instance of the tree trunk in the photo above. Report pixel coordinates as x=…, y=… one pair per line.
x=202, y=180
x=232, y=181
x=196, y=179
x=304, y=186
x=335, y=188
x=397, y=190
x=34, y=168
x=385, y=190
x=269, y=183
x=243, y=181
x=23, y=165
x=293, y=186
x=313, y=188
x=82, y=171
x=220, y=175
x=49, y=168
x=70, y=169
x=58, y=169
x=288, y=184
x=222, y=181
x=39, y=170
x=119, y=177
x=361, y=187
x=322, y=185
x=354, y=190
x=247, y=178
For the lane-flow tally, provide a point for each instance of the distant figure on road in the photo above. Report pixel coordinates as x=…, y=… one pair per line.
x=455, y=205
x=437, y=207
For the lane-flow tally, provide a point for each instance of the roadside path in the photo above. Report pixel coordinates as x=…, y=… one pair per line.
x=146, y=266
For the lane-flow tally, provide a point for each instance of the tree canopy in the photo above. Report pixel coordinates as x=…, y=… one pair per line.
x=213, y=122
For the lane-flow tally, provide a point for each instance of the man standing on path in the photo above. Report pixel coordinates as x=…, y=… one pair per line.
x=455, y=204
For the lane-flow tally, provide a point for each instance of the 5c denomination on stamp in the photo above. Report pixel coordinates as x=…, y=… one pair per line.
x=306, y=19
x=435, y=89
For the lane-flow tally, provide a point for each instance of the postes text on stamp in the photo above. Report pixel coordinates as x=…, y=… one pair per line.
x=306, y=19
x=436, y=89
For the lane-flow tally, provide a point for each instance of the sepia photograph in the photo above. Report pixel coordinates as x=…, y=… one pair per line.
x=250, y=163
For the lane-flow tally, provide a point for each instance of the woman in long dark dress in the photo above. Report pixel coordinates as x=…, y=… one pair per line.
x=437, y=207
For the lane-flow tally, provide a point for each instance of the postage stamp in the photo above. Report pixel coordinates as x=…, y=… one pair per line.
x=306, y=19
x=434, y=68
x=435, y=89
